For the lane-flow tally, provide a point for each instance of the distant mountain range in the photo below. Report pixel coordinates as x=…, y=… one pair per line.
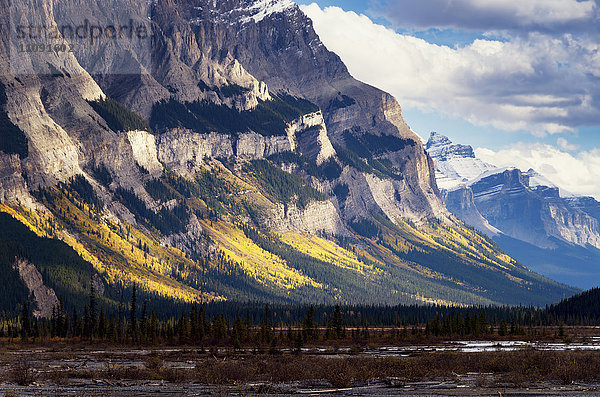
x=556, y=235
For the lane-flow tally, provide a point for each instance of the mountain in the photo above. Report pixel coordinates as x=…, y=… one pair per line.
x=230, y=157
x=455, y=164
x=524, y=212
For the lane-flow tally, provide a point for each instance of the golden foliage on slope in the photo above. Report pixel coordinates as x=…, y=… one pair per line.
x=255, y=261
x=123, y=254
x=328, y=251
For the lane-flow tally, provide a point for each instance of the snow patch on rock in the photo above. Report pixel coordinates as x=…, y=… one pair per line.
x=264, y=8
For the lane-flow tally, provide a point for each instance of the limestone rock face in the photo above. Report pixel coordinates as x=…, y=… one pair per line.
x=53, y=154
x=255, y=146
x=145, y=151
x=257, y=45
x=13, y=187
x=309, y=133
x=460, y=202
x=535, y=215
x=183, y=149
x=44, y=297
x=318, y=216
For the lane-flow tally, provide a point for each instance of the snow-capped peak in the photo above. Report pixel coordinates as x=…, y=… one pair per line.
x=490, y=172
x=261, y=9
x=437, y=139
x=537, y=179
x=455, y=164
x=440, y=147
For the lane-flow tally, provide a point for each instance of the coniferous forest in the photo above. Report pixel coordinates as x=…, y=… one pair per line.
x=142, y=319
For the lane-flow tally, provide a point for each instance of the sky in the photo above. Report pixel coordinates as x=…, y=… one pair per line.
x=519, y=80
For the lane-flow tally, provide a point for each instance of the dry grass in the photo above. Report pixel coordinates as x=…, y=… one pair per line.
x=20, y=373
x=518, y=369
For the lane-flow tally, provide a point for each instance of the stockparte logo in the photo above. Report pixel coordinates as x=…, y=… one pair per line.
x=114, y=41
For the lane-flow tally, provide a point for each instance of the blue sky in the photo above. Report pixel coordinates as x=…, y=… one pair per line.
x=518, y=79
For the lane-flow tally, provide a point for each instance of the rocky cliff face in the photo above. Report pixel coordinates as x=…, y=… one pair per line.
x=181, y=148
x=13, y=187
x=297, y=61
x=143, y=145
x=45, y=298
x=460, y=202
x=589, y=205
x=523, y=205
x=532, y=215
x=272, y=44
x=250, y=131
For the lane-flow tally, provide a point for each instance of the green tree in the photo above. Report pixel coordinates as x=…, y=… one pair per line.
x=308, y=325
x=133, y=326
x=338, y=322
x=503, y=329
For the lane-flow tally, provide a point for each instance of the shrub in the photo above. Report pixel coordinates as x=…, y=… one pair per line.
x=21, y=373
x=154, y=362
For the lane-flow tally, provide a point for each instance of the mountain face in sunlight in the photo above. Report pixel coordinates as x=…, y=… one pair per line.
x=237, y=160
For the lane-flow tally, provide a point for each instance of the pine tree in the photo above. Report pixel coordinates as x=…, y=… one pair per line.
x=338, y=322
x=86, y=322
x=93, y=310
x=61, y=319
x=25, y=321
x=153, y=328
x=111, y=332
x=195, y=331
x=144, y=321
x=503, y=329
x=102, y=325
x=120, y=333
x=299, y=343
x=247, y=326
x=133, y=316
x=308, y=326
x=75, y=323
x=238, y=330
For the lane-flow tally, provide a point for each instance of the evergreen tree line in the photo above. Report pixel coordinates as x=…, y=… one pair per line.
x=283, y=186
x=117, y=116
x=269, y=118
x=264, y=324
x=134, y=323
x=329, y=170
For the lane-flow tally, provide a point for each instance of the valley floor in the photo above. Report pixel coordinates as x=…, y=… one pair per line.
x=509, y=367
x=378, y=388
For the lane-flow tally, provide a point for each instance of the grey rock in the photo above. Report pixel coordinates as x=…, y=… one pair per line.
x=460, y=202
x=44, y=297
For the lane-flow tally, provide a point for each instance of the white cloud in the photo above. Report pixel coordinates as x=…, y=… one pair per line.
x=537, y=82
x=575, y=173
x=565, y=145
